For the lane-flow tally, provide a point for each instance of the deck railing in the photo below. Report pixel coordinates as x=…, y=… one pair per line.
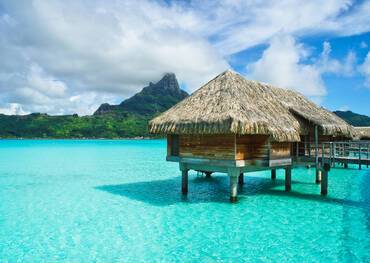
x=341, y=152
x=346, y=152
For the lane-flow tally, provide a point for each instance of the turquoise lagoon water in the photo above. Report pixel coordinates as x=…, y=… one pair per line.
x=120, y=201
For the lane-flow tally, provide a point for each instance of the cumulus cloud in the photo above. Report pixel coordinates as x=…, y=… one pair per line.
x=54, y=51
x=326, y=64
x=289, y=64
x=237, y=25
x=365, y=70
x=12, y=108
x=281, y=65
x=107, y=48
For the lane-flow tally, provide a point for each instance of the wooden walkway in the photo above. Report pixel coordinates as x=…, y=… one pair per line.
x=342, y=153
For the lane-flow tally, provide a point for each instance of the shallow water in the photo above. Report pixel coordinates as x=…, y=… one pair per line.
x=104, y=201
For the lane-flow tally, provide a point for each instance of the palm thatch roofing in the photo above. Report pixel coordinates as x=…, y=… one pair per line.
x=362, y=132
x=231, y=104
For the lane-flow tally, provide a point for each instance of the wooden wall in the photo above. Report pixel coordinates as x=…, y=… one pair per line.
x=228, y=147
x=208, y=146
x=172, y=145
x=250, y=147
x=321, y=138
x=280, y=150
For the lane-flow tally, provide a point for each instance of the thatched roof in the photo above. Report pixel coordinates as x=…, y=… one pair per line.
x=362, y=132
x=231, y=104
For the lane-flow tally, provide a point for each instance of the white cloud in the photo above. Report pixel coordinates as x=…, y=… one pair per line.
x=237, y=25
x=105, y=49
x=38, y=80
x=65, y=49
x=12, y=108
x=281, y=65
x=38, y=91
x=289, y=64
x=326, y=64
x=365, y=70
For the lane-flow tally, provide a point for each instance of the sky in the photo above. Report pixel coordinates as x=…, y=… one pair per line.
x=65, y=57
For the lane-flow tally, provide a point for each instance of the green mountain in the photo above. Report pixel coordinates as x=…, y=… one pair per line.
x=128, y=119
x=354, y=118
x=151, y=100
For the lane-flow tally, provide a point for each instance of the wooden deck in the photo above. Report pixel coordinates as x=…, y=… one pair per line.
x=236, y=156
x=342, y=153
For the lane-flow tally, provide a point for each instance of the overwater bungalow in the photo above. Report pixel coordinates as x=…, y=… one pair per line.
x=233, y=125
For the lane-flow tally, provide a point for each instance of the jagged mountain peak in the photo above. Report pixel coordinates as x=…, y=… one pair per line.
x=152, y=99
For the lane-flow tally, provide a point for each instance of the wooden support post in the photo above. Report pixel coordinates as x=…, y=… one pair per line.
x=208, y=174
x=288, y=178
x=241, y=179
x=273, y=174
x=345, y=165
x=318, y=175
x=324, y=181
x=234, y=173
x=184, y=180
x=318, y=179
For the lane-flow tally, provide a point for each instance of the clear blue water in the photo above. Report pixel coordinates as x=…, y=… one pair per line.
x=109, y=201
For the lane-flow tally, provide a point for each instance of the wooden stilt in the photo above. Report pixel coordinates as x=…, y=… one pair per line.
x=317, y=154
x=288, y=179
x=208, y=174
x=324, y=183
x=345, y=165
x=273, y=174
x=318, y=175
x=241, y=179
x=233, y=174
x=184, y=185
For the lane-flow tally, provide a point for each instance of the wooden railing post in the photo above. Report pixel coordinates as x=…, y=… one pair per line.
x=305, y=151
x=334, y=153
x=367, y=156
x=331, y=153
x=322, y=153
x=297, y=149
x=359, y=156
